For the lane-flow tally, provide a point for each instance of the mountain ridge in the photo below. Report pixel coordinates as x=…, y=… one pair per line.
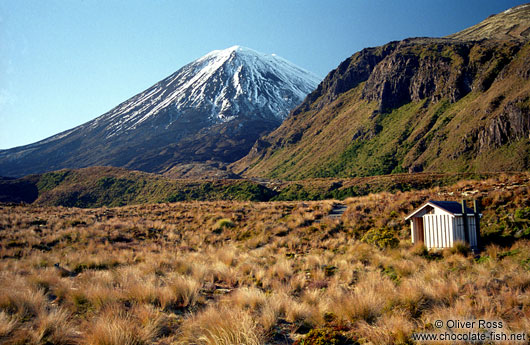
x=511, y=24
x=433, y=104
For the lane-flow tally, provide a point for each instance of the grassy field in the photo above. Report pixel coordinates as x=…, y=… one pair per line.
x=242, y=272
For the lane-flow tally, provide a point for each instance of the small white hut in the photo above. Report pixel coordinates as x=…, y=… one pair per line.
x=439, y=224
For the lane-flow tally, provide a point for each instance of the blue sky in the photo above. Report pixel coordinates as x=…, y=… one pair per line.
x=65, y=62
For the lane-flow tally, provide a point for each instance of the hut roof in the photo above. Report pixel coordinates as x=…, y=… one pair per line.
x=453, y=207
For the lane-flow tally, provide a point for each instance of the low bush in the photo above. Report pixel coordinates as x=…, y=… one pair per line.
x=460, y=247
x=382, y=238
x=223, y=223
x=325, y=336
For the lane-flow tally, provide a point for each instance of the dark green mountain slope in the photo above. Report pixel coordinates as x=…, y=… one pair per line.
x=452, y=104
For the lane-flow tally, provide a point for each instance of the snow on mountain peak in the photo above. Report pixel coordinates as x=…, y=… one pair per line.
x=224, y=84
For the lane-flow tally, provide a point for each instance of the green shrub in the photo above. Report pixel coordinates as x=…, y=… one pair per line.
x=80, y=302
x=382, y=238
x=293, y=192
x=482, y=259
x=508, y=253
x=325, y=336
x=460, y=247
x=391, y=273
x=223, y=223
x=50, y=180
x=247, y=190
x=522, y=214
x=526, y=264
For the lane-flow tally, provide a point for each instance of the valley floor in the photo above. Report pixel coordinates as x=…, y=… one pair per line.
x=258, y=273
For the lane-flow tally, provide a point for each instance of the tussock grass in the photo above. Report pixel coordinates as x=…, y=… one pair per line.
x=157, y=274
x=221, y=327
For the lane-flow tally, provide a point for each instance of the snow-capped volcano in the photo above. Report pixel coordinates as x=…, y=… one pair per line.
x=212, y=109
x=222, y=84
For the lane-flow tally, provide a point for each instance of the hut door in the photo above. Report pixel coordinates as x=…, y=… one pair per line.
x=419, y=230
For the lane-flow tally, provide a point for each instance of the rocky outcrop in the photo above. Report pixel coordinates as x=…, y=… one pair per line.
x=512, y=124
x=407, y=76
x=350, y=73
x=435, y=69
x=415, y=69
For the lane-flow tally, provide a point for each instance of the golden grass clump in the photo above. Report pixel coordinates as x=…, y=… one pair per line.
x=115, y=328
x=221, y=327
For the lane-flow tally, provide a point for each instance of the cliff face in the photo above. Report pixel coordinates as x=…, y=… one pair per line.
x=512, y=124
x=345, y=77
x=415, y=69
x=442, y=104
x=435, y=69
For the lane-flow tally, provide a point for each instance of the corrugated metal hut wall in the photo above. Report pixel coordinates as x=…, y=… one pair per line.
x=439, y=230
x=472, y=228
x=442, y=230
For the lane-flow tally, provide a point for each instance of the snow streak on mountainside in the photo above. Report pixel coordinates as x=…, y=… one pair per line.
x=212, y=109
x=224, y=84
